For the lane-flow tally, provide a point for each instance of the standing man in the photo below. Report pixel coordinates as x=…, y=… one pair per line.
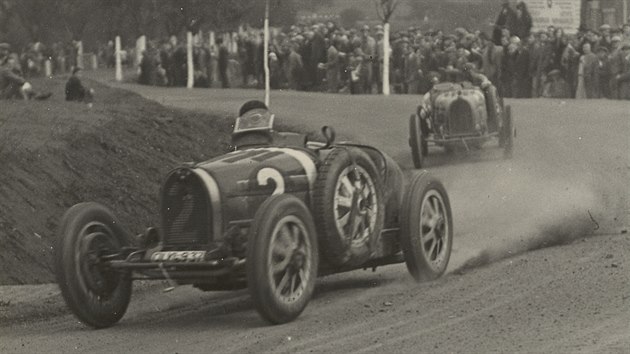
x=332, y=66
x=223, y=60
x=615, y=60
x=623, y=78
x=368, y=47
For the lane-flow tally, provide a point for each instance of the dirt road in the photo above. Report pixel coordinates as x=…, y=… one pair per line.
x=566, y=183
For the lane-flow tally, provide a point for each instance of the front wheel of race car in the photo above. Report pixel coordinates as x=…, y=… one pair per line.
x=97, y=295
x=417, y=142
x=509, y=132
x=426, y=227
x=348, y=206
x=282, y=258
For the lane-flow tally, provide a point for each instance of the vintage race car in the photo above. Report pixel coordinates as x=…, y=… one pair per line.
x=454, y=114
x=270, y=216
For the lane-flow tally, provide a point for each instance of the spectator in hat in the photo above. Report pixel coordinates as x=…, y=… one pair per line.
x=333, y=67
x=523, y=21
x=368, y=47
x=615, y=60
x=4, y=52
x=516, y=70
x=603, y=72
x=588, y=79
x=13, y=84
x=541, y=57
x=505, y=20
x=378, y=62
x=606, y=37
x=295, y=71
x=491, y=60
x=625, y=33
x=623, y=77
x=75, y=91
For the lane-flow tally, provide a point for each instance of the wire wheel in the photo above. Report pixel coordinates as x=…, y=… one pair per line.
x=434, y=229
x=426, y=234
x=355, y=204
x=282, y=258
x=88, y=236
x=348, y=206
x=288, y=262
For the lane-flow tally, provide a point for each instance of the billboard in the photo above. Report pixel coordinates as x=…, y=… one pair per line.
x=557, y=13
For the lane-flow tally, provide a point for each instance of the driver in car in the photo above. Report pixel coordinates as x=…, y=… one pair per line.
x=470, y=77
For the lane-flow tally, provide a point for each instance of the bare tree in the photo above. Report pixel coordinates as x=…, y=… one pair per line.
x=385, y=9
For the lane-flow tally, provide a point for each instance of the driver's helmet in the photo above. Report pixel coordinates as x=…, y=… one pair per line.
x=253, y=117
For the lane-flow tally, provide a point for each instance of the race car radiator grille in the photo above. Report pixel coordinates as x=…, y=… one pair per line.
x=186, y=217
x=461, y=118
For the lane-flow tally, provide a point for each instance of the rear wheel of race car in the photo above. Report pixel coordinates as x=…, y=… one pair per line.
x=509, y=132
x=348, y=206
x=97, y=295
x=426, y=234
x=417, y=142
x=282, y=258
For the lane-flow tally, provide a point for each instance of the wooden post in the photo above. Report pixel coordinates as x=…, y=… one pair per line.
x=266, y=53
x=213, y=41
x=94, y=61
x=386, y=89
x=79, y=57
x=119, y=75
x=234, y=42
x=48, y=68
x=141, y=46
x=189, y=63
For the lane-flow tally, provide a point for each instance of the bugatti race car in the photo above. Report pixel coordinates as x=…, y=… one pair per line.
x=454, y=114
x=270, y=216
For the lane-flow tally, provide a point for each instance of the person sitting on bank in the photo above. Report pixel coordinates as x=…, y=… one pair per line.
x=75, y=91
x=12, y=82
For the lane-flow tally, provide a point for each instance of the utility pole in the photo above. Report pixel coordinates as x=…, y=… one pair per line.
x=266, y=53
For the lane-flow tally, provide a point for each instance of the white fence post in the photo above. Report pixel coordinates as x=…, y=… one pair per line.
x=119, y=75
x=141, y=46
x=48, y=68
x=189, y=63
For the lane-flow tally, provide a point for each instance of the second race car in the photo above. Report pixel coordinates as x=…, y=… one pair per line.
x=461, y=114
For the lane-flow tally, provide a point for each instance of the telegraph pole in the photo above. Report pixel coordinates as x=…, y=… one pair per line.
x=266, y=52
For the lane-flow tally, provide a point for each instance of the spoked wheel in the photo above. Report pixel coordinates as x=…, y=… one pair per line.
x=348, y=206
x=282, y=258
x=426, y=228
x=419, y=145
x=89, y=235
x=509, y=133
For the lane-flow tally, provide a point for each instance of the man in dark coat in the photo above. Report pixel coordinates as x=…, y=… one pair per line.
x=75, y=91
x=507, y=19
x=223, y=59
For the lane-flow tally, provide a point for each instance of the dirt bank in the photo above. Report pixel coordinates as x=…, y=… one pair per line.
x=54, y=154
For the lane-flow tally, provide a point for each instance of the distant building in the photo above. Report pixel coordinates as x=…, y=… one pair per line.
x=611, y=12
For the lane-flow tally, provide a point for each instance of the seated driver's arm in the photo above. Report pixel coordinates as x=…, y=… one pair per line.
x=425, y=105
x=481, y=80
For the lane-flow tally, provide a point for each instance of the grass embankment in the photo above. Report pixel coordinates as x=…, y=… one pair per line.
x=54, y=154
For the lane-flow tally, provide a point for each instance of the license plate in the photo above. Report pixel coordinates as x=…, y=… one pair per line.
x=179, y=256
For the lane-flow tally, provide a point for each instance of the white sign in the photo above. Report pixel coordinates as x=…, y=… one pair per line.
x=563, y=14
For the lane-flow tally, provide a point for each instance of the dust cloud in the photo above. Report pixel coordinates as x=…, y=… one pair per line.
x=524, y=211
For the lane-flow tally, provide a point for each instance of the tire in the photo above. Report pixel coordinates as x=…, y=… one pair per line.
x=282, y=220
x=426, y=236
x=509, y=132
x=348, y=223
x=419, y=146
x=97, y=296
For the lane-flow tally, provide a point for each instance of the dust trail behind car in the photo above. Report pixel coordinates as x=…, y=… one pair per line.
x=516, y=210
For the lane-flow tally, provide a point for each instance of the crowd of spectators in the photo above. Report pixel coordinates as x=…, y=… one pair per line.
x=16, y=69
x=594, y=63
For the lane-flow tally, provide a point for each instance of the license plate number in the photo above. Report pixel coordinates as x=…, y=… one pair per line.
x=178, y=256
